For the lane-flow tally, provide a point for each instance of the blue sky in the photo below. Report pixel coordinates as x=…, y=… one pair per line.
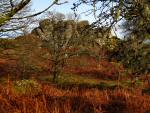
x=39, y=5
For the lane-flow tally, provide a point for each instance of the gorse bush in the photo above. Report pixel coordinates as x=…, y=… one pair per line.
x=30, y=87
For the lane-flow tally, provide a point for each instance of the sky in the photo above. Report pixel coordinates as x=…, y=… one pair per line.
x=38, y=5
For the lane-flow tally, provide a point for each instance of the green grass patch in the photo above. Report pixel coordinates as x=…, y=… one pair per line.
x=130, y=83
x=70, y=79
x=108, y=85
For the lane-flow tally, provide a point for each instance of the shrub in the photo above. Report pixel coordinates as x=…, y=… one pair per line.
x=29, y=87
x=134, y=58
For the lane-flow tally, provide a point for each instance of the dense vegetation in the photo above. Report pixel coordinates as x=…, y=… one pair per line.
x=70, y=66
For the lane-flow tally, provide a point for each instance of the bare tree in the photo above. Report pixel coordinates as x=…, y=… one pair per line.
x=55, y=16
x=17, y=11
x=16, y=27
x=72, y=16
x=61, y=39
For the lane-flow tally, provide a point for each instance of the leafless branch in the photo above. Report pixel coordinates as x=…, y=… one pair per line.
x=11, y=3
x=54, y=3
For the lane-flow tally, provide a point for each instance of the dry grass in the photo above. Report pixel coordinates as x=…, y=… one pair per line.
x=54, y=100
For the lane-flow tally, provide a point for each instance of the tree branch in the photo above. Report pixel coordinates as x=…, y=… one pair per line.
x=4, y=18
x=11, y=3
x=40, y=11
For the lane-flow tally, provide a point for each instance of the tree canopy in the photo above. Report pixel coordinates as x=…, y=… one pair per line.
x=134, y=13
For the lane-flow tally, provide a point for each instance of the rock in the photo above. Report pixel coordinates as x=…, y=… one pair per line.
x=82, y=24
x=70, y=29
x=45, y=24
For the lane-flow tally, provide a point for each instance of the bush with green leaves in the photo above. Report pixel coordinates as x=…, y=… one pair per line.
x=26, y=87
x=133, y=56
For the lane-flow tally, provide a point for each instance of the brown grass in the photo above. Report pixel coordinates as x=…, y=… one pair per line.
x=54, y=100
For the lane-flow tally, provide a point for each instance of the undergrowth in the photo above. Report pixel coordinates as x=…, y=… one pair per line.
x=55, y=100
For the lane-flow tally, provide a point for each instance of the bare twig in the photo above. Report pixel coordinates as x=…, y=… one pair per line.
x=36, y=14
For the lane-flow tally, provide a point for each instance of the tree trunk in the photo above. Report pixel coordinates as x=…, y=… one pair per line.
x=54, y=76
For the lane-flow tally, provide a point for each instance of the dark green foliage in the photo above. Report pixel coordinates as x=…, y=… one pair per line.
x=137, y=19
x=146, y=90
x=133, y=56
x=103, y=86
